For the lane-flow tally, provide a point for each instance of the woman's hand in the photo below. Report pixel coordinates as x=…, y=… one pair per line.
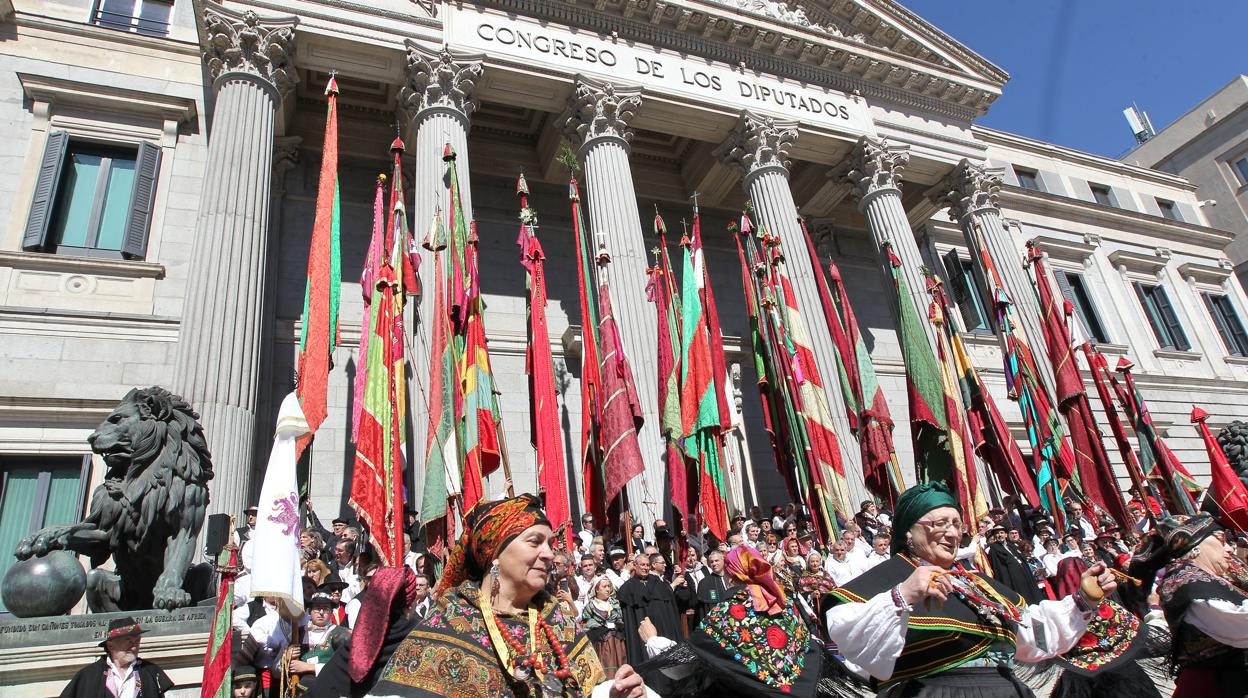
x=628, y=683
x=926, y=582
x=1104, y=579
x=299, y=666
x=646, y=629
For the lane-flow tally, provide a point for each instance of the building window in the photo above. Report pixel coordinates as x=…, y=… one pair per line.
x=1162, y=318
x=36, y=492
x=1228, y=324
x=965, y=292
x=1075, y=289
x=1168, y=211
x=141, y=16
x=1102, y=194
x=1028, y=179
x=93, y=200
x=1240, y=165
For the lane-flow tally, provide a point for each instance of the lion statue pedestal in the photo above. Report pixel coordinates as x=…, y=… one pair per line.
x=148, y=513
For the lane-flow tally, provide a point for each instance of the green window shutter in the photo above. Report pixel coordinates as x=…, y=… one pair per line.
x=143, y=198
x=1171, y=319
x=963, y=292
x=36, y=235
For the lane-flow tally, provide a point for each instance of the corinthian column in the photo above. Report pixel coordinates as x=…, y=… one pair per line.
x=873, y=172
x=436, y=104
x=597, y=123
x=758, y=147
x=250, y=61
x=970, y=192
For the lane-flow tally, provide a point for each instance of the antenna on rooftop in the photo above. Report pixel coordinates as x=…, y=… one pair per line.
x=1141, y=127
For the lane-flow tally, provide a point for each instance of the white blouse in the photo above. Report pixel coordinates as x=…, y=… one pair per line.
x=872, y=635
x=1221, y=620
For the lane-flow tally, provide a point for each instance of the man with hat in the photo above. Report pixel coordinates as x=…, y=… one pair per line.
x=333, y=587
x=245, y=678
x=615, y=570
x=321, y=638
x=1007, y=568
x=119, y=673
x=242, y=534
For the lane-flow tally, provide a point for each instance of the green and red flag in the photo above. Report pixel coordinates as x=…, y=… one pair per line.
x=700, y=417
x=591, y=381
x=929, y=422
x=377, y=479
x=368, y=286
x=659, y=291
x=1096, y=474
x=1156, y=458
x=963, y=477
x=480, y=429
x=442, y=484
x=544, y=431
x=218, y=675
x=868, y=412
x=319, y=330
x=1228, y=491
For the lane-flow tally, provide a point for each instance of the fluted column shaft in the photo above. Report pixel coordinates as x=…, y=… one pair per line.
x=597, y=121
x=224, y=314
x=971, y=193
x=758, y=148
x=437, y=104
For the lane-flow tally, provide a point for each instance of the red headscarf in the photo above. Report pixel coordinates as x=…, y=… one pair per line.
x=746, y=565
x=488, y=528
x=1069, y=575
x=390, y=591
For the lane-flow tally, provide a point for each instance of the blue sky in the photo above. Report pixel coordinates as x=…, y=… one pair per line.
x=1074, y=65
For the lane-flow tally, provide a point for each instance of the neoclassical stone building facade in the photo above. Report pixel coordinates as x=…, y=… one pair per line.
x=159, y=175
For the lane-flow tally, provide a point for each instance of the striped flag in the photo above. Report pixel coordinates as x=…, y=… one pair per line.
x=699, y=410
x=480, y=419
x=621, y=410
x=1099, y=368
x=377, y=476
x=1156, y=458
x=544, y=431
x=659, y=291
x=591, y=380
x=868, y=412
x=442, y=474
x=368, y=285
x=319, y=331
x=217, y=681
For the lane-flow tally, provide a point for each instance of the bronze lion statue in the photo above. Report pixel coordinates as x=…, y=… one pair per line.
x=148, y=513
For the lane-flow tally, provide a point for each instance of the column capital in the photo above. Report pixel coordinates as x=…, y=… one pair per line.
x=758, y=143
x=599, y=109
x=439, y=80
x=970, y=188
x=244, y=42
x=874, y=166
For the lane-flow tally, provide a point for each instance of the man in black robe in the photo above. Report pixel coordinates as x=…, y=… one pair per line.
x=121, y=669
x=646, y=596
x=1008, y=569
x=714, y=587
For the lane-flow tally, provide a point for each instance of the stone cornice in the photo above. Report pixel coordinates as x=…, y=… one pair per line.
x=718, y=33
x=439, y=79
x=57, y=91
x=1052, y=150
x=758, y=143
x=244, y=42
x=1213, y=274
x=1014, y=198
x=1140, y=263
x=597, y=110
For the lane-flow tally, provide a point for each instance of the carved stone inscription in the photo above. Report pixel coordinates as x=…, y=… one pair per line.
x=581, y=51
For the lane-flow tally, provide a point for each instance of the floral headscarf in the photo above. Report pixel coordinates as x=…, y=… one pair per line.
x=746, y=565
x=488, y=528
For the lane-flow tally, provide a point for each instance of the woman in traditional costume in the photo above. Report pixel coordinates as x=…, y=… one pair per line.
x=922, y=625
x=602, y=620
x=754, y=643
x=495, y=631
x=1208, y=615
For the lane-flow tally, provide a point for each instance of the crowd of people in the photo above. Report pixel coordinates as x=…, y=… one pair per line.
x=909, y=600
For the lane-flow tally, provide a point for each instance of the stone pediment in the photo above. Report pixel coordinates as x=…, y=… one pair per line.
x=876, y=48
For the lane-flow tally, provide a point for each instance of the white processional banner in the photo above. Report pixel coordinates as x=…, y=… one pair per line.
x=277, y=570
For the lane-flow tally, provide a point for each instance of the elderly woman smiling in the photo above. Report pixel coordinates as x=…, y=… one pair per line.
x=921, y=625
x=495, y=631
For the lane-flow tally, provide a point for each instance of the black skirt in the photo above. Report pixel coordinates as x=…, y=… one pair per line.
x=962, y=683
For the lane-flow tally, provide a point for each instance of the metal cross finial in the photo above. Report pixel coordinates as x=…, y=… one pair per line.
x=695, y=201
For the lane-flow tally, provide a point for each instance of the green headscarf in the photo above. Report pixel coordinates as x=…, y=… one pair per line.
x=914, y=503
